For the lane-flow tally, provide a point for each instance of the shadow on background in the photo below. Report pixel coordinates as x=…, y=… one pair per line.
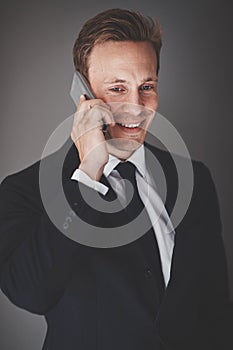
x=195, y=86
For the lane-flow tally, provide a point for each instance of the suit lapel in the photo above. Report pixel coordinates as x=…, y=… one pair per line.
x=163, y=170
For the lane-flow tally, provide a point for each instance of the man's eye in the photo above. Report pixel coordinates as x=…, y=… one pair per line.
x=147, y=87
x=116, y=89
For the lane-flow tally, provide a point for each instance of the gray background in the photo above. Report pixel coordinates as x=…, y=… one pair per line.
x=36, y=72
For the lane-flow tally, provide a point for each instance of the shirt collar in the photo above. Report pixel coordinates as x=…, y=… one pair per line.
x=137, y=158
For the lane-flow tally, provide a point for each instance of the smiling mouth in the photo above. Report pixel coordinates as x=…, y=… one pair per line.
x=130, y=125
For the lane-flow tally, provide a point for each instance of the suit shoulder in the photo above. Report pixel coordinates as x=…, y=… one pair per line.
x=25, y=177
x=167, y=158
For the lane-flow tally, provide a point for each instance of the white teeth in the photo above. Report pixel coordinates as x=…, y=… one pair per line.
x=131, y=125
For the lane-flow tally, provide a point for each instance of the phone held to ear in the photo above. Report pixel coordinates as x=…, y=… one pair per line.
x=80, y=86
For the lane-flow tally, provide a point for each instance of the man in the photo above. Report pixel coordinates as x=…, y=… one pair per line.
x=137, y=295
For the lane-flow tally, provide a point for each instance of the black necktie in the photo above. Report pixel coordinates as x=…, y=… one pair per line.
x=134, y=204
x=133, y=209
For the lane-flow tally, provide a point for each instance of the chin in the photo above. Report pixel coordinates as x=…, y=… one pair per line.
x=137, y=135
x=122, y=148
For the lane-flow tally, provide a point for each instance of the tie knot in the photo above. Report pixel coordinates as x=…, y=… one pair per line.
x=126, y=170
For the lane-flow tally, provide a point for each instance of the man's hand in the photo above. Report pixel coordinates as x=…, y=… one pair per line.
x=88, y=136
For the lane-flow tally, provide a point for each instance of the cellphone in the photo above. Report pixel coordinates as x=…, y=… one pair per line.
x=80, y=86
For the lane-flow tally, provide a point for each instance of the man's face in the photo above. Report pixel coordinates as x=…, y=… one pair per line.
x=123, y=74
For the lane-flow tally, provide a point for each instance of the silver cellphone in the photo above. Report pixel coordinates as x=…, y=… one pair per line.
x=79, y=87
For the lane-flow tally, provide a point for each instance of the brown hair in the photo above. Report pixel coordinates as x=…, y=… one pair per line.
x=116, y=25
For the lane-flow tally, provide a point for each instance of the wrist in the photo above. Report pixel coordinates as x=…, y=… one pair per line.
x=93, y=170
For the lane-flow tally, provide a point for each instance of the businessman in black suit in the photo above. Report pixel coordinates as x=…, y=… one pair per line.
x=164, y=290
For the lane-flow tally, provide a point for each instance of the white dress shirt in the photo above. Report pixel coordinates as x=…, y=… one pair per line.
x=149, y=196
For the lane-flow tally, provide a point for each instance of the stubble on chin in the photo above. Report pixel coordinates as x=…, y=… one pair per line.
x=121, y=148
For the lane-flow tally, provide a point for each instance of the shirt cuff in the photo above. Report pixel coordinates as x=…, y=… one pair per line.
x=82, y=177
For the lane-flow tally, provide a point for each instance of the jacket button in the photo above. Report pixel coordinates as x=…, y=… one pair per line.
x=148, y=273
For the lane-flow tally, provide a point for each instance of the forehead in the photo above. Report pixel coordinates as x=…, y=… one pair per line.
x=122, y=55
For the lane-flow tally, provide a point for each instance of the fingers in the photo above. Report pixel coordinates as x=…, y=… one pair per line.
x=102, y=114
x=93, y=112
x=85, y=104
x=90, y=117
x=81, y=100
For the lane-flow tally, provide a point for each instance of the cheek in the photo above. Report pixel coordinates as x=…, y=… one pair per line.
x=151, y=102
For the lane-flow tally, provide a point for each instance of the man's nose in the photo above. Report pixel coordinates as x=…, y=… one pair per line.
x=134, y=97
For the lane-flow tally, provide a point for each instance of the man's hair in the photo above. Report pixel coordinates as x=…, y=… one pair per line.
x=116, y=25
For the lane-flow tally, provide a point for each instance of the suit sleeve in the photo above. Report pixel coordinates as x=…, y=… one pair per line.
x=214, y=272
x=194, y=306
x=36, y=258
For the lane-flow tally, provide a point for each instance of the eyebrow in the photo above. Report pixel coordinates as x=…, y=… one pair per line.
x=118, y=80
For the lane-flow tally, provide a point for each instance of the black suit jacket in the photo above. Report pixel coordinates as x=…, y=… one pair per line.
x=96, y=298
